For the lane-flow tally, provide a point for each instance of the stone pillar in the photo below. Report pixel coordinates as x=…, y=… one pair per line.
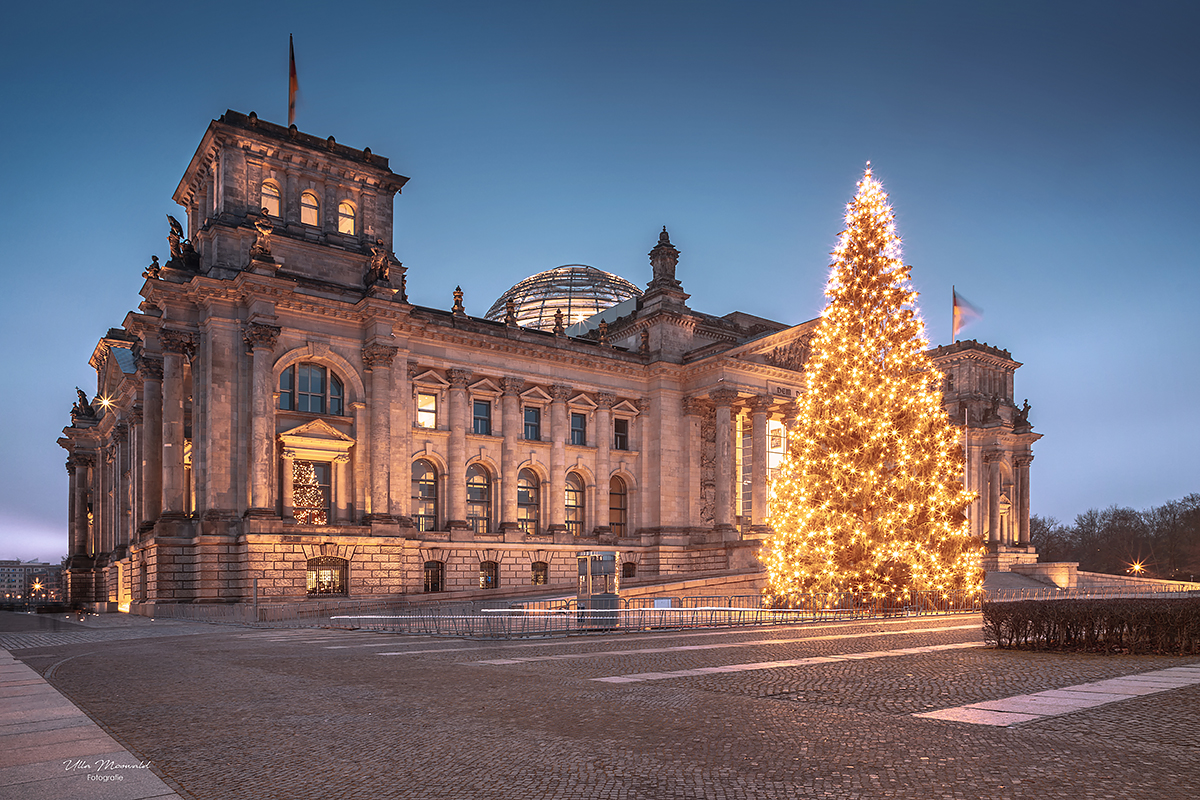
x=377, y=359
x=343, y=509
x=1022, y=463
x=288, y=483
x=511, y=424
x=560, y=429
x=992, y=459
x=693, y=411
x=402, y=418
x=723, y=513
x=79, y=543
x=176, y=345
x=604, y=436
x=151, y=371
x=760, y=406
x=456, y=478
x=260, y=339
x=122, y=474
x=361, y=455
x=71, y=489
x=649, y=506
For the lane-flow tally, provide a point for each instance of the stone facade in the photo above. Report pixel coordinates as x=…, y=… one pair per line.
x=278, y=417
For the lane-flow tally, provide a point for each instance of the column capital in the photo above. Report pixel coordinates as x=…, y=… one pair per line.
x=511, y=387
x=258, y=335
x=178, y=342
x=694, y=406
x=605, y=400
x=414, y=369
x=723, y=397
x=288, y=453
x=761, y=404
x=1023, y=460
x=375, y=354
x=82, y=461
x=993, y=456
x=459, y=378
x=150, y=368
x=643, y=404
x=560, y=392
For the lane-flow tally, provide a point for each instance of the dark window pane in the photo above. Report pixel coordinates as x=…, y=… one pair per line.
x=579, y=429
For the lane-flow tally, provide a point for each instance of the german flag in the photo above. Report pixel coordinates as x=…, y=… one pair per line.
x=293, y=84
x=964, y=312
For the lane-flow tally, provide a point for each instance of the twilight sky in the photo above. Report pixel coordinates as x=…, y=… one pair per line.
x=1042, y=157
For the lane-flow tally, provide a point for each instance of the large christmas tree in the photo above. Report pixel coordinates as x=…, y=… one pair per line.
x=870, y=498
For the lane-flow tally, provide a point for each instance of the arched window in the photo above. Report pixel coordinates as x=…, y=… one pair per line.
x=270, y=198
x=435, y=576
x=528, y=501
x=539, y=573
x=479, y=498
x=310, y=209
x=574, y=505
x=628, y=569
x=424, y=495
x=310, y=492
x=311, y=388
x=327, y=575
x=618, y=506
x=346, y=218
x=489, y=575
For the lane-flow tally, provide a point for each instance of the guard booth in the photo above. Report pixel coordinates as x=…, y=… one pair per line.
x=598, y=598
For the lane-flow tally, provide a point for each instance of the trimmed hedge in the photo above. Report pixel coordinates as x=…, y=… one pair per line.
x=1121, y=624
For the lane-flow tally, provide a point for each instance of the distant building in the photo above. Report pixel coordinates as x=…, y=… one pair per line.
x=277, y=410
x=30, y=580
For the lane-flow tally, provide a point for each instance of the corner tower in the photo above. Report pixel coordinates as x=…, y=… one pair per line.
x=323, y=205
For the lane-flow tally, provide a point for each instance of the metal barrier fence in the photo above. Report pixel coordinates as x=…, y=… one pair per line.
x=1087, y=593
x=563, y=616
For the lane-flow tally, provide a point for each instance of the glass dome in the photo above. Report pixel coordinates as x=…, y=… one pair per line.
x=580, y=291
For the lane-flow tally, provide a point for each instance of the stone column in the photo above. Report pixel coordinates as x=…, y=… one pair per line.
x=693, y=411
x=456, y=477
x=604, y=436
x=510, y=420
x=361, y=455
x=260, y=339
x=377, y=359
x=649, y=506
x=992, y=459
x=343, y=510
x=83, y=465
x=71, y=489
x=723, y=513
x=559, y=431
x=150, y=369
x=1022, y=463
x=760, y=406
x=176, y=345
x=123, y=508
x=289, y=485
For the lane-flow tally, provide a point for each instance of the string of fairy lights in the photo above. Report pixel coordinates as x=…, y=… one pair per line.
x=870, y=497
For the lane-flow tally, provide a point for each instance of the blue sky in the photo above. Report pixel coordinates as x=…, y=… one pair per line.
x=1041, y=157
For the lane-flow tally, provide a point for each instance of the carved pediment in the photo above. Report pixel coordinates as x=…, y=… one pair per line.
x=535, y=395
x=430, y=378
x=485, y=386
x=316, y=440
x=792, y=355
x=626, y=407
x=582, y=401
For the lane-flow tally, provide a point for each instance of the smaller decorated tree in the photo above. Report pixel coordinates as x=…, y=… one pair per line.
x=870, y=498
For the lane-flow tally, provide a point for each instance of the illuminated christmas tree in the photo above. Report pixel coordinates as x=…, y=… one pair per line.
x=309, y=499
x=870, y=498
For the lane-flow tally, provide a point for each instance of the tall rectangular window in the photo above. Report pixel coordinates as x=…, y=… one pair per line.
x=620, y=434
x=310, y=492
x=426, y=410
x=533, y=423
x=483, y=417
x=579, y=429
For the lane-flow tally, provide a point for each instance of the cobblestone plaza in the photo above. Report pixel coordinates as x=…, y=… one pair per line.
x=819, y=710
